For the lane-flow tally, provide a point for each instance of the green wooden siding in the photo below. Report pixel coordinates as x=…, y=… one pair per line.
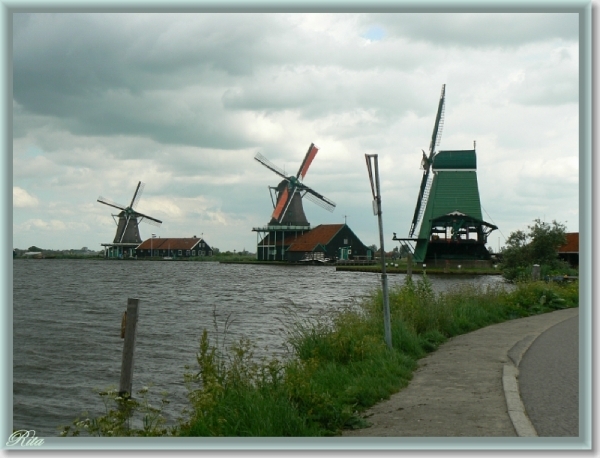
x=450, y=191
x=462, y=159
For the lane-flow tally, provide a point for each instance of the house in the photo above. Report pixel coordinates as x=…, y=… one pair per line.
x=328, y=242
x=173, y=248
x=569, y=252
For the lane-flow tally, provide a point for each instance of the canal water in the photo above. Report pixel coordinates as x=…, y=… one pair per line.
x=67, y=322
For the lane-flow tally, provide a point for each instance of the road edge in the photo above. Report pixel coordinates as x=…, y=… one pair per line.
x=510, y=374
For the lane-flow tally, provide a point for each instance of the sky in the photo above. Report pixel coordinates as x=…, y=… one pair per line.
x=184, y=101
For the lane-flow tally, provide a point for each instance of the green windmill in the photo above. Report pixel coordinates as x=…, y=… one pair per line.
x=448, y=210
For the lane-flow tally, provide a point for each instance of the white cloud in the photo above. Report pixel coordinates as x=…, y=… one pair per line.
x=50, y=225
x=22, y=199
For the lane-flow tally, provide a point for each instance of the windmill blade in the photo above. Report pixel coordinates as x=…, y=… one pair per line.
x=137, y=194
x=148, y=219
x=287, y=204
x=318, y=199
x=110, y=203
x=282, y=204
x=419, y=202
x=437, y=131
x=268, y=164
x=125, y=228
x=308, y=158
x=428, y=161
x=272, y=190
x=152, y=222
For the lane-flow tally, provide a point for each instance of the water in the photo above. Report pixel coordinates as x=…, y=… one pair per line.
x=67, y=323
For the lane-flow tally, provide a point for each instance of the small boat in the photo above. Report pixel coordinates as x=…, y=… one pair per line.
x=168, y=258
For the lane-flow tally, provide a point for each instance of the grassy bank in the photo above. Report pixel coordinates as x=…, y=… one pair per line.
x=337, y=367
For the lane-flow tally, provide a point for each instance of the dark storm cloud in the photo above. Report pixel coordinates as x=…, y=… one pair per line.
x=122, y=74
x=177, y=78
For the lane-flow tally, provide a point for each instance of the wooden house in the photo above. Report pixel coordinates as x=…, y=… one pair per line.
x=173, y=248
x=569, y=252
x=328, y=242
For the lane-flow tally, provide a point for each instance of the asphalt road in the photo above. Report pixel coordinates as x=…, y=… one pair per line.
x=549, y=380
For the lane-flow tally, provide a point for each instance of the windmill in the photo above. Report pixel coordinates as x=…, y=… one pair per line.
x=448, y=214
x=128, y=232
x=287, y=202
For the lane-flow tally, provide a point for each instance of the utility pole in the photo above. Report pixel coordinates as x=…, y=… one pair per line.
x=372, y=159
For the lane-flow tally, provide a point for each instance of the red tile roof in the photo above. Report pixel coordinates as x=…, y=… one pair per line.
x=572, y=245
x=321, y=234
x=169, y=244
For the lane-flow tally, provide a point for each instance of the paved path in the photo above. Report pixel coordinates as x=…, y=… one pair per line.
x=466, y=388
x=549, y=381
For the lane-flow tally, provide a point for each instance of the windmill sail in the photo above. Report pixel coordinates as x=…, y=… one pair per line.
x=426, y=163
x=319, y=199
x=282, y=203
x=137, y=195
x=268, y=164
x=310, y=155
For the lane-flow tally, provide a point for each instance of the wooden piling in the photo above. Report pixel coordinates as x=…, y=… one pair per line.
x=409, y=264
x=130, y=321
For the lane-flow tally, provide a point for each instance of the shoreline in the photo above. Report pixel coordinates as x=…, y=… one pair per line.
x=365, y=268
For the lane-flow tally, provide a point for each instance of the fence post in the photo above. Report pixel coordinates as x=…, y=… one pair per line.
x=130, y=325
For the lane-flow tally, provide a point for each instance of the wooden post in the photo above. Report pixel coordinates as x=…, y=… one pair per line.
x=130, y=321
x=409, y=264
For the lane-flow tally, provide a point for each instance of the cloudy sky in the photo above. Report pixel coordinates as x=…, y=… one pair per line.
x=183, y=102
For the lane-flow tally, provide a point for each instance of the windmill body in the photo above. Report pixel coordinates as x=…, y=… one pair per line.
x=127, y=237
x=127, y=230
x=288, y=220
x=447, y=216
x=294, y=215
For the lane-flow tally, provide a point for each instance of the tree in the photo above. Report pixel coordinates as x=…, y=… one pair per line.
x=539, y=245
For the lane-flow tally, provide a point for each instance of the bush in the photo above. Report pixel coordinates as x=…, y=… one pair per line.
x=537, y=246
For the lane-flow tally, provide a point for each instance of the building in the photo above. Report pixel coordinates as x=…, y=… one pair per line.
x=173, y=248
x=569, y=252
x=452, y=224
x=273, y=241
x=328, y=242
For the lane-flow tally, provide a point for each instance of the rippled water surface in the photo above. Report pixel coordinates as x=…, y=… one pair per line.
x=67, y=321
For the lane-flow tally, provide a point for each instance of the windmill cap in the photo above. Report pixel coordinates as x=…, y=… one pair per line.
x=460, y=159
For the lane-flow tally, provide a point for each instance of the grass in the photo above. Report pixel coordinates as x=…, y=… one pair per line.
x=339, y=365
